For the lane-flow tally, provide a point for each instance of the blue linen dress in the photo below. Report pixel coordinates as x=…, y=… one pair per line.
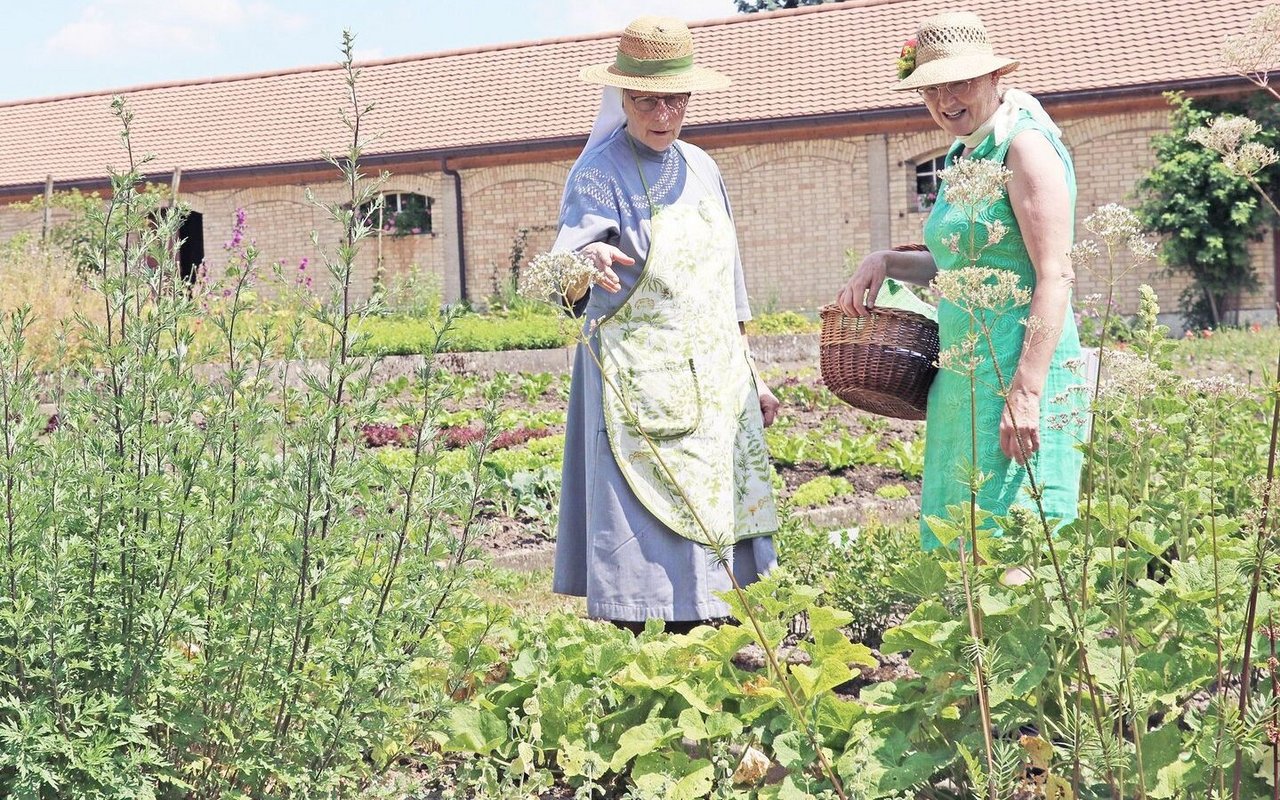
x=609, y=547
x=949, y=443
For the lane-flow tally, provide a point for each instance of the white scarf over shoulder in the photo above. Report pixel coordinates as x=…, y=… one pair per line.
x=1001, y=122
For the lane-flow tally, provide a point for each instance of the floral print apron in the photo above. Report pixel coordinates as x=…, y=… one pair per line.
x=680, y=401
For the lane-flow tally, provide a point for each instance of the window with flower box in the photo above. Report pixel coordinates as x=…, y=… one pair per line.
x=926, y=181
x=401, y=214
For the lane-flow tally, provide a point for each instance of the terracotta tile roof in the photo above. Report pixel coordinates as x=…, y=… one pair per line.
x=824, y=60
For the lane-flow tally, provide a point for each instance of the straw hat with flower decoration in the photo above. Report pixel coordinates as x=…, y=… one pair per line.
x=951, y=46
x=655, y=54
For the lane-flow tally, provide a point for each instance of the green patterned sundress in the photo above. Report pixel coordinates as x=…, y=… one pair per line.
x=949, y=447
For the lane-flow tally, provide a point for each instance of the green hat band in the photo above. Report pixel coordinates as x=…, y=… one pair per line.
x=655, y=67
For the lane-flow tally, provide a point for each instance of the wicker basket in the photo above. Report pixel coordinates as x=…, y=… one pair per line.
x=883, y=362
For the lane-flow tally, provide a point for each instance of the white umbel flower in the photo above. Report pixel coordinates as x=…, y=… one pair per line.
x=556, y=275
x=974, y=182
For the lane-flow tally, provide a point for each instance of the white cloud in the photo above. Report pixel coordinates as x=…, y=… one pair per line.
x=118, y=28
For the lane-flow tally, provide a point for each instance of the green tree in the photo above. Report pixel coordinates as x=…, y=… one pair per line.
x=1206, y=214
x=752, y=6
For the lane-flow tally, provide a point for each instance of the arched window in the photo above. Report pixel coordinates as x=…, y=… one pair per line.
x=926, y=181
x=402, y=213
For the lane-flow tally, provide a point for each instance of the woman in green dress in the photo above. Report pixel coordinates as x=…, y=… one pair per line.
x=1029, y=401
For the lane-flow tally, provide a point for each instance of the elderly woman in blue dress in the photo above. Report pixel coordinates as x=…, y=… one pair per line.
x=666, y=488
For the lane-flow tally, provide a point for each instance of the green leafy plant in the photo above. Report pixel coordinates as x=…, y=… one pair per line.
x=872, y=572
x=786, y=448
x=906, y=456
x=849, y=451
x=470, y=332
x=793, y=391
x=820, y=491
x=894, y=491
x=534, y=386
x=604, y=710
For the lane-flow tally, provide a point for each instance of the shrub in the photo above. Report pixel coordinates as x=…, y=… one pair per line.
x=46, y=280
x=858, y=571
x=73, y=239
x=1207, y=213
x=413, y=293
x=782, y=322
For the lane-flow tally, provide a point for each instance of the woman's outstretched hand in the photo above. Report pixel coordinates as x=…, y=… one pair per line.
x=603, y=256
x=857, y=298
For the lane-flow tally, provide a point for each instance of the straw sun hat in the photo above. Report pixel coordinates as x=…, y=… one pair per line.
x=953, y=46
x=655, y=54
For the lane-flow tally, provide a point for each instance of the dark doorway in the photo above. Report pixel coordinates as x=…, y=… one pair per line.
x=191, y=251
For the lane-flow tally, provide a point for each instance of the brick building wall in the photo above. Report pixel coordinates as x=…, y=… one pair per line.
x=1112, y=154
x=508, y=211
x=280, y=221
x=799, y=206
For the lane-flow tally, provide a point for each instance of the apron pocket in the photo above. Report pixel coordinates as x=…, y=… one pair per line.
x=665, y=400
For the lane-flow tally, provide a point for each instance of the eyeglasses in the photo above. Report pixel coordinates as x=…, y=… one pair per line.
x=675, y=103
x=955, y=89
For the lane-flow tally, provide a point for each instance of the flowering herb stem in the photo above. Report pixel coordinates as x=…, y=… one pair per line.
x=975, y=620
x=1255, y=580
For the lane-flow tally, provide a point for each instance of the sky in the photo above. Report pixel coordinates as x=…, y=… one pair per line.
x=58, y=47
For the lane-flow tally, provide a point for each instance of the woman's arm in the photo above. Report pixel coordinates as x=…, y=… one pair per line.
x=591, y=223
x=858, y=296
x=1042, y=205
